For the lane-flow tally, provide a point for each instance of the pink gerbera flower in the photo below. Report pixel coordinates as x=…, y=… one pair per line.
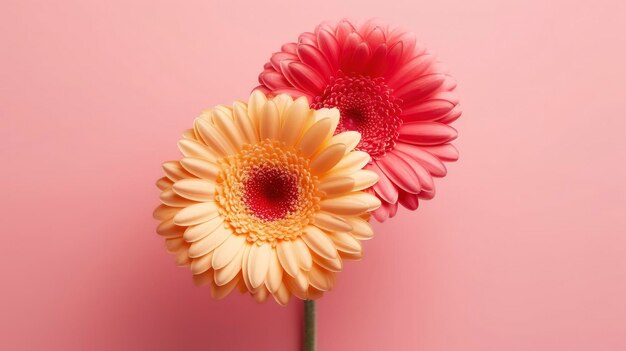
x=388, y=88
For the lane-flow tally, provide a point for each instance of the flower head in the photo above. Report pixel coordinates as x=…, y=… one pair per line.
x=388, y=88
x=267, y=198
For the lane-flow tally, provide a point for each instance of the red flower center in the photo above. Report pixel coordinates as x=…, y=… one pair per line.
x=270, y=193
x=366, y=106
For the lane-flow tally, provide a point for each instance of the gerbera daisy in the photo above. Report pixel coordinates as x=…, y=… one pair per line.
x=266, y=198
x=388, y=88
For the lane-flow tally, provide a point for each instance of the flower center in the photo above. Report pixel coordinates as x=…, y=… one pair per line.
x=270, y=193
x=366, y=106
x=267, y=192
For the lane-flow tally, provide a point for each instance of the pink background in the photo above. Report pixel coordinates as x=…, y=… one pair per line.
x=523, y=248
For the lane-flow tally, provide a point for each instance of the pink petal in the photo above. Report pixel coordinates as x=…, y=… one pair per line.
x=359, y=59
x=349, y=47
x=313, y=57
x=400, y=172
x=452, y=116
x=329, y=46
x=419, y=88
x=426, y=133
x=273, y=80
x=344, y=29
x=426, y=111
x=409, y=201
x=306, y=78
x=290, y=47
x=426, y=195
x=445, y=152
x=384, y=188
x=432, y=164
x=423, y=176
x=393, y=209
x=411, y=70
x=381, y=214
x=278, y=57
x=307, y=38
x=394, y=54
x=378, y=62
x=375, y=37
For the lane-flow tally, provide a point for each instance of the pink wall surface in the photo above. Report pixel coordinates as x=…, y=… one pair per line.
x=523, y=248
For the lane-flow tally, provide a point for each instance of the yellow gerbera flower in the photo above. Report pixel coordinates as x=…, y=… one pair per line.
x=266, y=199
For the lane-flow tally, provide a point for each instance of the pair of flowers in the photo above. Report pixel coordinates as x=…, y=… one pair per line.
x=272, y=195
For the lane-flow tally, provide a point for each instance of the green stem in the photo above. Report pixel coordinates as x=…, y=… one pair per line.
x=309, y=325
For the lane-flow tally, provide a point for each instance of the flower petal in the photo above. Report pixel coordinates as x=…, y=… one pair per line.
x=226, y=252
x=303, y=254
x=213, y=138
x=192, y=148
x=314, y=136
x=274, y=273
x=196, y=232
x=346, y=243
x=399, y=172
x=195, y=189
x=258, y=263
x=426, y=133
x=201, y=264
x=197, y=213
x=269, y=121
x=244, y=122
x=432, y=164
x=287, y=257
x=327, y=159
x=361, y=229
x=209, y=242
x=229, y=271
x=174, y=171
x=331, y=222
x=319, y=242
x=200, y=167
x=384, y=187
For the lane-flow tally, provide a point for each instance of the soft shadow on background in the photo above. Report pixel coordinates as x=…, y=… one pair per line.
x=523, y=247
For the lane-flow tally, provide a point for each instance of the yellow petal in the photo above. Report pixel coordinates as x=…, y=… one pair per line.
x=170, y=198
x=182, y=257
x=333, y=265
x=196, y=214
x=201, y=264
x=282, y=295
x=213, y=138
x=347, y=205
x=164, y=212
x=327, y=158
x=346, y=243
x=255, y=107
x=243, y=122
x=336, y=185
x=226, y=252
x=258, y=264
x=189, y=134
x=331, y=114
x=200, y=167
x=192, y=148
x=173, y=244
x=351, y=163
x=230, y=271
x=282, y=101
x=364, y=179
x=319, y=242
x=219, y=292
x=261, y=294
x=164, y=183
x=331, y=222
x=320, y=279
x=170, y=230
x=296, y=119
x=350, y=139
x=303, y=253
x=361, y=229
x=195, y=189
x=275, y=273
x=174, y=171
x=226, y=126
x=209, y=242
x=196, y=232
x=315, y=136
x=244, y=266
x=287, y=257
x=269, y=122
